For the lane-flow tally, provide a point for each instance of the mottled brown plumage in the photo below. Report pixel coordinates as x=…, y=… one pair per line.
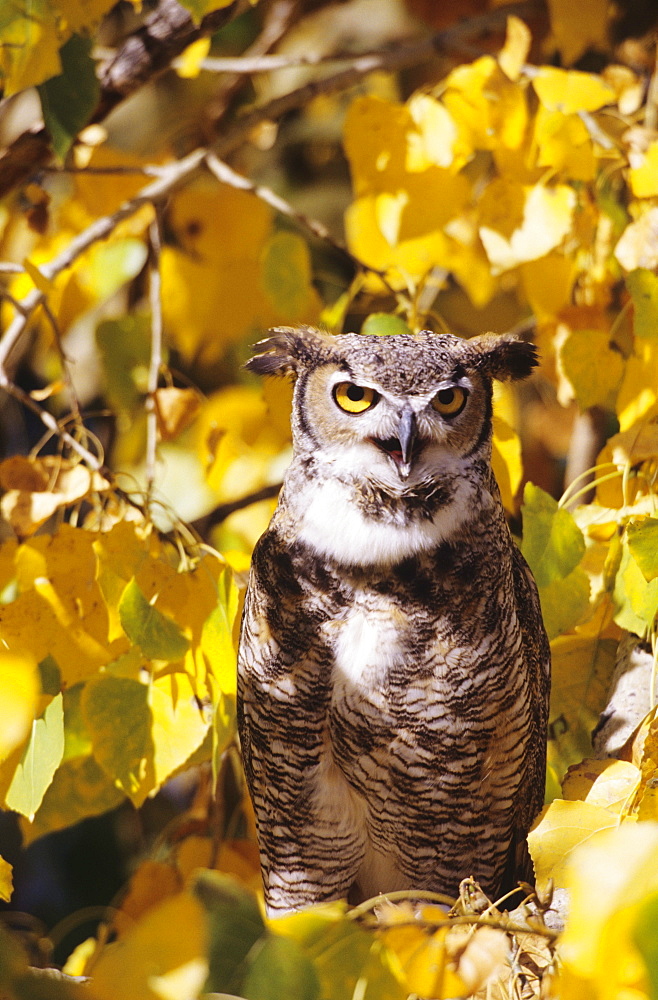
x=393, y=668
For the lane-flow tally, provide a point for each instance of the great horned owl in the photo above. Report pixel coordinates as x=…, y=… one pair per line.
x=393, y=665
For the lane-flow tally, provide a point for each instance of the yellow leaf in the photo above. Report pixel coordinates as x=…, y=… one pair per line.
x=559, y=830
x=644, y=178
x=610, y=881
x=29, y=47
x=564, y=144
x=582, y=670
x=188, y=65
x=150, y=885
x=607, y=783
x=637, y=401
x=592, y=369
x=80, y=14
x=176, y=409
x=506, y=461
x=247, y=444
x=431, y=142
x=548, y=282
x=77, y=962
x=521, y=223
x=576, y=28
x=571, y=91
x=6, y=880
x=374, y=137
x=212, y=277
x=19, y=695
x=178, y=725
x=39, y=279
x=638, y=244
x=489, y=109
x=161, y=945
x=514, y=52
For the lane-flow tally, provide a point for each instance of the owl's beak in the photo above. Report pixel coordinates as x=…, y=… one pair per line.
x=407, y=433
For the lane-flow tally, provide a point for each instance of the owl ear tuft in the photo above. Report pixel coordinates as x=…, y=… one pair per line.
x=286, y=350
x=503, y=357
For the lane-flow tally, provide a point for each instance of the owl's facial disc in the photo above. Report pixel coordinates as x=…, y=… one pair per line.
x=401, y=448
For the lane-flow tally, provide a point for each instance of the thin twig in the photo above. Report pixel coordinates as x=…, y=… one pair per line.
x=220, y=513
x=391, y=60
x=100, y=229
x=46, y=418
x=63, y=360
x=267, y=63
x=155, y=299
x=227, y=175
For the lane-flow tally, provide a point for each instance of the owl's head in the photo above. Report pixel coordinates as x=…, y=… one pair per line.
x=398, y=409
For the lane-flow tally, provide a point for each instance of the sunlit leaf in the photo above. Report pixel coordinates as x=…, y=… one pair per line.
x=179, y=726
x=384, y=325
x=643, y=287
x=582, y=671
x=506, y=461
x=643, y=544
x=118, y=718
x=553, y=543
x=560, y=829
x=613, y=886
x=571, y=91
x=80, y=788
x=519, y=224
x=593, y=369
x=644, y=177
x=636, y=599
x=6, y=880
x=158, y=636
x=144, y=962
x=607, y=783
x=39, y=761
x=19, y=693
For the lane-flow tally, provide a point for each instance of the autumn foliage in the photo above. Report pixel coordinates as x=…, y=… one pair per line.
x=151, y=230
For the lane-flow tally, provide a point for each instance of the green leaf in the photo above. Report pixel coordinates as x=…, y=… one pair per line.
x=279, y=971
x=236, y=925
x=643, y=288
x=643, y=544
x=384, y=325
x=79, y=789
x=636, y=601
x=117, y=715
x=553, y=544
x=67, y=100
x=565, y=602
x=158, y=637
x=581, y=675
x=39, y=761
x=286, y=274
x=646, y=940
x=125, y=351
x=113, y=264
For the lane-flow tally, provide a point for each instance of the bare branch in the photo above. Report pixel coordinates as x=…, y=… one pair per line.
x=155, y=298
x=227, y=175
x=98, y=230
x=402, y=56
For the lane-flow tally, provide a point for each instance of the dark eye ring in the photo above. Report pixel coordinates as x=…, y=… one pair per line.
x=353, y=398
x=450, y=402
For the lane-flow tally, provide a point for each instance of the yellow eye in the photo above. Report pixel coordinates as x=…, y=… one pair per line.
x=355, y=398
x=451, y=401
